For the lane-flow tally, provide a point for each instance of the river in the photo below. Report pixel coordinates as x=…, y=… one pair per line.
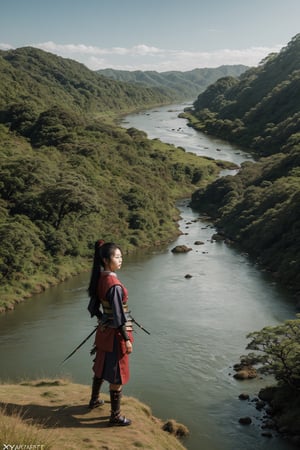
x=198, y=325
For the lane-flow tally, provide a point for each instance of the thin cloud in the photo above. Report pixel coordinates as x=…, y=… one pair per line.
x=5, y=47
x=145, y=57
x=71, y=49
x=82, y=49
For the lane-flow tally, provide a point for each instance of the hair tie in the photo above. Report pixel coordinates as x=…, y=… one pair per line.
x=100, y=242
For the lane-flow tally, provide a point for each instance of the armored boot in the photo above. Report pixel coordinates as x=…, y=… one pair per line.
x=116, y=419
x=95, y=401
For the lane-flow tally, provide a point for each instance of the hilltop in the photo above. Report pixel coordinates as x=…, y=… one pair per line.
x=44, y=79
x=54, y=413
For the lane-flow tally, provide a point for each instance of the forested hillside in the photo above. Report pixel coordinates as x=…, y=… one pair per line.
x=261, y=109
x=259, y=208
x=29, y=74
x=181, y=85
x=68, y=177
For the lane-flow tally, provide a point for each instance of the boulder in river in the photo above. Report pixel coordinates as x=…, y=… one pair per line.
x=218, y=237
x=181, y=249
x=244, y=396
x=245, y=420
x=244, y=371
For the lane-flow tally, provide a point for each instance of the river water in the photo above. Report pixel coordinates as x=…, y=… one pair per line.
x=198, y=325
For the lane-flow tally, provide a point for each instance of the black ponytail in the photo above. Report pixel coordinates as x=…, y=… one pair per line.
x=102, y=251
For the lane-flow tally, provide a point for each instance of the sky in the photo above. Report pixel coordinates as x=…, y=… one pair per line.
x=160, y=35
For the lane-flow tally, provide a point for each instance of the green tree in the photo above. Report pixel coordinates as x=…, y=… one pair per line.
x=21, y=250
x=70, y=195
x=21, y=116
x=279, y=348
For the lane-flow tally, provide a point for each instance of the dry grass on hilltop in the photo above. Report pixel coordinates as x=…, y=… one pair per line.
x=54, y=414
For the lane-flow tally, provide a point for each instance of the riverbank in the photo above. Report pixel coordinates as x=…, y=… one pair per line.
x=12, y=295
x=53, y=414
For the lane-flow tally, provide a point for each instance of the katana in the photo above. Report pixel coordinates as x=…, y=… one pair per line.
x=91, y=334
x=80, y=345
x=138, y=324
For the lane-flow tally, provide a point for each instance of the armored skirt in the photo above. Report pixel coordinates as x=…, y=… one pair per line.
x=112, y=361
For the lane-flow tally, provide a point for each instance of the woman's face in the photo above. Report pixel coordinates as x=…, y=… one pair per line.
x=115, y=262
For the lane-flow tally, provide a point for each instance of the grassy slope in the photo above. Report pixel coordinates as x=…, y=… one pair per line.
x=54, y=413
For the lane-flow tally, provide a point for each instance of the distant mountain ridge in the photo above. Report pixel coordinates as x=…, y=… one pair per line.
x=184, y=85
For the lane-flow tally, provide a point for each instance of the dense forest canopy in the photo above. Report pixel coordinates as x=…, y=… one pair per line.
x=259, y=208
x=29, y=74
x=68, y=176
x=260, y=109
